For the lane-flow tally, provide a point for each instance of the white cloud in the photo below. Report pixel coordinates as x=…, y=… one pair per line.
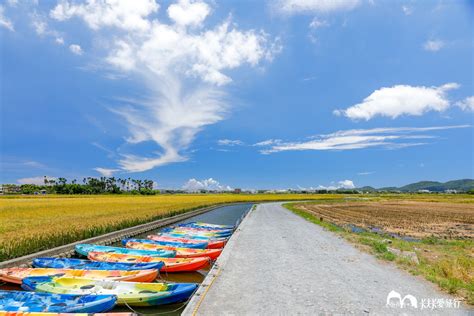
x=34, y=180
x=42, y=28
x=400, y=100
x=365, y=173
x=314, y=6
x=467, y=104
x=433, y=45
x=389, y=138
x=187, y=12
x=106, y=172
x=4, y=21
x=229, y=142
x=76, y=49
x=268, y=142
x=344, y=184
x=130, y=15
x=193, y=185
x=317, y=23
x=407, y=10
x=183, y=68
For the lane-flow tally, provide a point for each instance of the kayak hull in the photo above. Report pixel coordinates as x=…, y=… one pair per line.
x=171, y=264
x=84, y=249
x=81, y=264
x=128, y=293
x=12, y=301
x=16, y=275
x=211, y=244
x=180, y=252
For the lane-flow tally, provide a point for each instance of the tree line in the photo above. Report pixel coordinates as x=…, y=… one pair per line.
x=89, y=185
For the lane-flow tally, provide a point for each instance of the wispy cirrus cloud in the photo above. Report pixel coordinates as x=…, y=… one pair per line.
x=433, y=45
x=467, y=104
x=388, y=138
x=5, y=21
x=184, y=64
x=400, y=100
x=290, y=7
x=230, y=142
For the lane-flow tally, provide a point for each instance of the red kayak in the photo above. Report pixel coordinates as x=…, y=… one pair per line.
x=212, y=244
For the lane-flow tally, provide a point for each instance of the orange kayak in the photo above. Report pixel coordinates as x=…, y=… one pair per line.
x=211, y=244
x=180, y=252
x=16, y=275
x=171, y=264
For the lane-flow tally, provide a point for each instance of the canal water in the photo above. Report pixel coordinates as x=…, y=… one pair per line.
x=225, y=215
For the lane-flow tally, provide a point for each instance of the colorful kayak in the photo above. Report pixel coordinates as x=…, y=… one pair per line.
x=128, y=293
x=4, y=313
x=84, y=250
x=198, y=232
x=206, y=225
x=81, y=264
x=211, y=244
x=192, y=236
x=12, y=301
x=16, y=275
x=171, y=264
x=180, y=252
x=200, y=245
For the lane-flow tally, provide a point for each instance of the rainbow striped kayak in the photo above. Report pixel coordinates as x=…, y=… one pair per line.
x=171, y=264
x=211, y=244
x=207, y=226
x=199, y=245
x=128, y=293
x=16, y=275
x=84, y=249
x=81, y=264
x=145, y=244
x=13, y=301
x=18, y=313
x=198, y=232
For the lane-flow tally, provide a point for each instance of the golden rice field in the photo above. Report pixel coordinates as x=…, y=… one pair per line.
x=33, y=223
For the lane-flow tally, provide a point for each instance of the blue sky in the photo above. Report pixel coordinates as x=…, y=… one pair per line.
x=253, y=94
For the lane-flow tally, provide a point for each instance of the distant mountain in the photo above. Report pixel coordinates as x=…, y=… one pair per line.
x=462, y=185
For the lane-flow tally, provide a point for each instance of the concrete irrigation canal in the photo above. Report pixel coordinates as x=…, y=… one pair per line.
x=277, y=263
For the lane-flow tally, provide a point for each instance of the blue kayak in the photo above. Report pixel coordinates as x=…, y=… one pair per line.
x=84, y=250
x=14, y=301
x=200, y=245
x=80, y=264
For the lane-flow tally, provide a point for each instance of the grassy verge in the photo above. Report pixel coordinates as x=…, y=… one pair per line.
x=448, y=263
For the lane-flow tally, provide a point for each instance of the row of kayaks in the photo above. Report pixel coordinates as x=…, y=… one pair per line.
x=114, y=275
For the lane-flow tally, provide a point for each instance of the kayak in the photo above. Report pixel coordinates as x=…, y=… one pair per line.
x=206, y=225
x=198, y=232
x=192, y=236
x=171, y=264
x=128, y=293
x=211, y=244
x=5, y=313
x=199, y=245
x=196, y=229
x=84, y=249
x=12, y=301
x=180, y=252
x=81, y=264
x=16, y=275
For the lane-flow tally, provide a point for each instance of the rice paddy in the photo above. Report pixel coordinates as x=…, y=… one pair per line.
x=32, y=223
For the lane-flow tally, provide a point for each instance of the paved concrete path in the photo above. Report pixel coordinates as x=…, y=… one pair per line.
x=279, y=264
